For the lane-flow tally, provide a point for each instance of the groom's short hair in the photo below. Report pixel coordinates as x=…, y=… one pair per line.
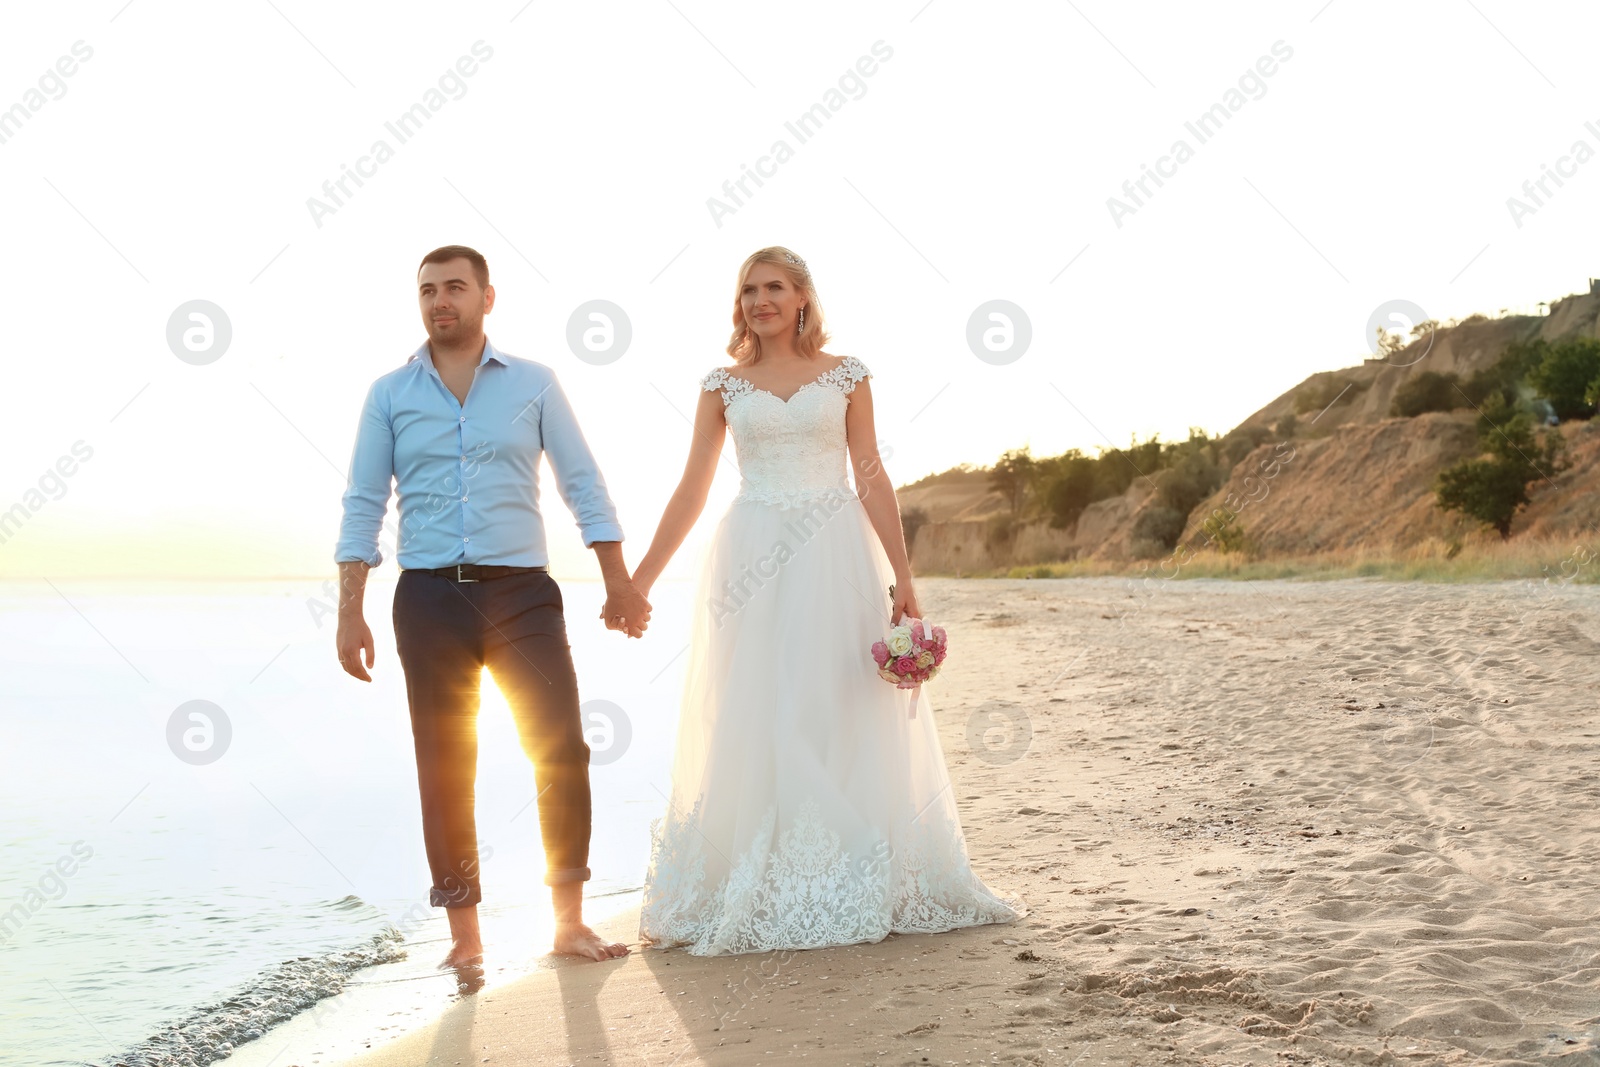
x=480, y=266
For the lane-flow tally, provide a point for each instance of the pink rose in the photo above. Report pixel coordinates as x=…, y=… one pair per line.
x=904, y=665
x=916, y=630
x=880, y=653
x=938, y=656
x=939, y=634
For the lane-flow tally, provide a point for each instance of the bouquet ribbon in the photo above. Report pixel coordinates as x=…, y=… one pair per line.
x=916, y=690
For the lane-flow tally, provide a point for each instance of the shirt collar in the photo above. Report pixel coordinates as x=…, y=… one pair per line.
x=425, y=353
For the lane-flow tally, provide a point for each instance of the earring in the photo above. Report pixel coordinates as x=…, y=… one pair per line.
x=801, y=326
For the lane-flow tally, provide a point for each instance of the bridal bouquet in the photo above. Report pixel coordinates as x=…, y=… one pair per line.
x=910, y=655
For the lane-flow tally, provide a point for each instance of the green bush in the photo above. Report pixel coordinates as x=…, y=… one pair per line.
x=1426, y=391
x=1193, y=473
x=1492, y=489
x=1160, y=525
x=1240, y=442
x=1067, y=487
x=1059, y=488
x=1181, y=488
x=1318, y=396
x=1223, y=533
x=1506, y=374
x=998, y=534
x=1509, y=435
x=1489, y=490
x=1565, y=374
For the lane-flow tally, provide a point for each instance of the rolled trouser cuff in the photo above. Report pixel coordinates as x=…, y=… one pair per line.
x=566, y=874
x=463, y=897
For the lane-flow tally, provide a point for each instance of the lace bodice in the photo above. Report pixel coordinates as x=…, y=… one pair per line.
x=790, y=451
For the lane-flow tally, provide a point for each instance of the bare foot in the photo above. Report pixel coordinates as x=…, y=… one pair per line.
x=466, y=943
x=462, y=956
x=576, y=939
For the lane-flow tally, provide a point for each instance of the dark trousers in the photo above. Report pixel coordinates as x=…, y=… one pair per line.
x=446, y=632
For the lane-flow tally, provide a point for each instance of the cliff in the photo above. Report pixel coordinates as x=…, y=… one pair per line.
x=1348, y=477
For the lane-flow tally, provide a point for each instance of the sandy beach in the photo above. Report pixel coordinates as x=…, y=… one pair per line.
x=1255, y=823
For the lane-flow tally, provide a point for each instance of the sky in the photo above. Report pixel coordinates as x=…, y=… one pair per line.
x=969, y=206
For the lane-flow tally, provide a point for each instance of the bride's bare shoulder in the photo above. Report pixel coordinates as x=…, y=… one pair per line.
x=838, y=363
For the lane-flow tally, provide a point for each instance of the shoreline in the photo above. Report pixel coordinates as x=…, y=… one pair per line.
x=390, y=1001
x=1253, y=823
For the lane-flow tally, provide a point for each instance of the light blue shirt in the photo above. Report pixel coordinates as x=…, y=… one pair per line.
x=467, y=475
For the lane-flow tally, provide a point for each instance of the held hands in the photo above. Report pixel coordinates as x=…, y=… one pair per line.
x=626, y=609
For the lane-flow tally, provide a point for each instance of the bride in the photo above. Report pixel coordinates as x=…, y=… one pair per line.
x=809, y=806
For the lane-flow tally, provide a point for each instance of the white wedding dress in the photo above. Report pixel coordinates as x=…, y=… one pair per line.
x=808, y=808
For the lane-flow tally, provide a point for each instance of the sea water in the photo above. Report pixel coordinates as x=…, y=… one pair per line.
x=174, y=887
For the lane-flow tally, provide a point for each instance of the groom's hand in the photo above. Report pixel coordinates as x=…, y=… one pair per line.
x=353, y=639
x=626, y=609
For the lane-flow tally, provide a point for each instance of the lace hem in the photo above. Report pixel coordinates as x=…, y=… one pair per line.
x=809, y=892
x=794, y=498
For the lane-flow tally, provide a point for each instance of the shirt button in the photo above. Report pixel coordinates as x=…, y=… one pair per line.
x=466, y=539
x=463, y=500
x=463, y=418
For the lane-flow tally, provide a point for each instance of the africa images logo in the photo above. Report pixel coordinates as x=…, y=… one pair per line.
x=1205, y=126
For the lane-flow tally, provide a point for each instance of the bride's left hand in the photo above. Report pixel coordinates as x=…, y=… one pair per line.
x=905, y=603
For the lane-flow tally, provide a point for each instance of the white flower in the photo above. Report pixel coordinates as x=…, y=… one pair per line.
x=900, y=640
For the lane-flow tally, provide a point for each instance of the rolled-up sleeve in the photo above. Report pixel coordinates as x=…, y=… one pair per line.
x=366, y=499
x=577, y=474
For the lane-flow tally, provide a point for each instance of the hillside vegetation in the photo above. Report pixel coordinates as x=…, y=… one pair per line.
x=1472, y=441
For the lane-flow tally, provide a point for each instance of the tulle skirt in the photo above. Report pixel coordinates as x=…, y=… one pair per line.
x=808, y=807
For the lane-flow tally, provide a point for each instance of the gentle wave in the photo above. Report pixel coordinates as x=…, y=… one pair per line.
x=274, y=996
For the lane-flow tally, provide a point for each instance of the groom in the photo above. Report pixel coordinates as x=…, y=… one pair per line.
x=459, y=430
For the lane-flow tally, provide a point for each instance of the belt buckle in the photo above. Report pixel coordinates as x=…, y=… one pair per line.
x=458, y=573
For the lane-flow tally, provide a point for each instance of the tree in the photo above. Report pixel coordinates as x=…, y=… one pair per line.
x=1491, y=490
x=1068, y=488
x=1564, y=375
x=1509, y=436
x=1389, y=343
x=1592, y=394
x=1504, y=377
x=1010, y=476
x=1192, y=473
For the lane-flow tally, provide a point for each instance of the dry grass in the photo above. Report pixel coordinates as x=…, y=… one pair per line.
x=1484, y=560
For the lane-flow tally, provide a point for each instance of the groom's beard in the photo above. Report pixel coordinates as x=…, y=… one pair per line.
x=463, y=326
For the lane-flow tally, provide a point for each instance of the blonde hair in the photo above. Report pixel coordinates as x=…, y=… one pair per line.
x=745, y=346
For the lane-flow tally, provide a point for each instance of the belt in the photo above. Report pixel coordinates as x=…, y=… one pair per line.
x=475, y=572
